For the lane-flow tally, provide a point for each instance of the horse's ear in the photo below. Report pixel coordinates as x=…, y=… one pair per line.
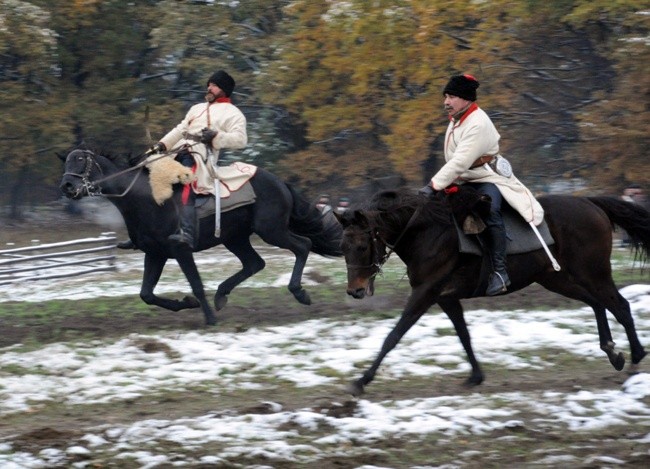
x=61, y=156
x=361, y=219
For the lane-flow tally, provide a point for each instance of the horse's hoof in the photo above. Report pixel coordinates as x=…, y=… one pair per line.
x=191, y=302
x=220, y=302
x=355, y=388
x=474, y=380
x=303, y=297
x=618, y=362
x=211, y=321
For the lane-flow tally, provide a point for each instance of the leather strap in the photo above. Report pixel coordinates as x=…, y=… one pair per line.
x=481, y=160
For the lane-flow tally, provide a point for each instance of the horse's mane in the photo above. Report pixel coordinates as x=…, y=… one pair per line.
x=393, y=209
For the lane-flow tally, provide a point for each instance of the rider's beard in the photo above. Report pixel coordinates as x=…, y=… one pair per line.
x=210, y=97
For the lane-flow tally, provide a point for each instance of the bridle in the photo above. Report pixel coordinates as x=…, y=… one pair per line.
x=87, y=185
x=379, y=244
x=378, y=249
x=92, y=188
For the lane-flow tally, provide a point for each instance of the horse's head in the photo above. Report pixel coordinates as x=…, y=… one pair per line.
x=364, y=251
x=88, y=173
x=81, y=169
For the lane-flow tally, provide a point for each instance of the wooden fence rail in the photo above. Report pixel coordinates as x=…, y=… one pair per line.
x=49, y=261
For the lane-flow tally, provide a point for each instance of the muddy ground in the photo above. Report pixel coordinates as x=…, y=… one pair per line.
x=61, y=426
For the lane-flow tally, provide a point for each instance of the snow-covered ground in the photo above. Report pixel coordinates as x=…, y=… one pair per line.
x=308, y=354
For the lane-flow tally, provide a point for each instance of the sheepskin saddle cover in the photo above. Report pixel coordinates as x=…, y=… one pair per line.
x=234, y=186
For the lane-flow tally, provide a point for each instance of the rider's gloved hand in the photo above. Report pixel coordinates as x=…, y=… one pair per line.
x=157, y=148
x=427, y=191
x=207, y=135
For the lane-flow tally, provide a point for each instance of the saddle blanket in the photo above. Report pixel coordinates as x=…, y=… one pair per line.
x=244, y=195
x=235, y=189
x=234, y=176
x=521, y=237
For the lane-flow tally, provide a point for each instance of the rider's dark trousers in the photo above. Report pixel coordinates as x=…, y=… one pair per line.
x=495, y=231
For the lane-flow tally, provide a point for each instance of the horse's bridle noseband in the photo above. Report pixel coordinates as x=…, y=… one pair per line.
x=88, y=186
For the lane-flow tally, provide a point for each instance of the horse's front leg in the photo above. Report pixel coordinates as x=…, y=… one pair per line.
x=153, y=267
x=454, y=311
x=185, y=259
x=417, y=305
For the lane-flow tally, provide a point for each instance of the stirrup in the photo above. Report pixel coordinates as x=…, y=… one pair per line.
x=497, y=283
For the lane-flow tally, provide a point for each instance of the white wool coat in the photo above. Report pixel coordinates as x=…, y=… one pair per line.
x=467, y=139
x=230, y=124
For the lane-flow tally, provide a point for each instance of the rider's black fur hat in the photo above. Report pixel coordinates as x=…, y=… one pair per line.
x=463, y=86
x=223, y=81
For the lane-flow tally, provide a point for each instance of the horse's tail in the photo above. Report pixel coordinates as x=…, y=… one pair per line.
x=324, y=231
x=633, y=218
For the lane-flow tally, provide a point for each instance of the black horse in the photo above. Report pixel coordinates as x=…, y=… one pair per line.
x=422, y=234
x=280, y=216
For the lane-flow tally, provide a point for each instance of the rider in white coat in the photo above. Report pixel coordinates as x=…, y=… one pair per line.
x=195, y=142
x=471, y=154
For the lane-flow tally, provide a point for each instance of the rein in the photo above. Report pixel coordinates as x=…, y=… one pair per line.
x=91, y=187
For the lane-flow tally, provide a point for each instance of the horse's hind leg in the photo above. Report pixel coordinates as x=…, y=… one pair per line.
x=607, y=345
x=601, y=297
x=611, y=299
x=300, y=247
x=185, y=260
x=153, y=267
x=624, y=316
x=251, y=264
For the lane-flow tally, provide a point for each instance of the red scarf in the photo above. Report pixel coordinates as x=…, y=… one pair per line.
x=222, y=99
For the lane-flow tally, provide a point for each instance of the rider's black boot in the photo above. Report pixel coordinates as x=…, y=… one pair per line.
x=496, y=243
x=188, y=226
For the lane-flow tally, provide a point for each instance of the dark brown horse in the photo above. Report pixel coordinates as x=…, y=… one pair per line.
x=421, y=232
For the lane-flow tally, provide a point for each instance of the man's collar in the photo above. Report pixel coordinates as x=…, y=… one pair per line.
x=464, y=113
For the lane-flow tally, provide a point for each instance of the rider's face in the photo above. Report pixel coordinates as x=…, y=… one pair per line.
x=454, y=104
x=213, y=93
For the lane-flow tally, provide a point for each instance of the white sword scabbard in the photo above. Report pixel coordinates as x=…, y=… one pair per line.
x=556, y=266
x=217, y=208
x=217, y=192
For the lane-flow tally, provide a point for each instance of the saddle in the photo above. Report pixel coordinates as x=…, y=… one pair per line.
x=469, y=208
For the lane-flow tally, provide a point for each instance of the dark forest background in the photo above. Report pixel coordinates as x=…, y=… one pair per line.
x=339, y=95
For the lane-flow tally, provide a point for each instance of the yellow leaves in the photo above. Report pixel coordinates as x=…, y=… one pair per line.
x=415, y=124
x=361, y=67
x=341, y=163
